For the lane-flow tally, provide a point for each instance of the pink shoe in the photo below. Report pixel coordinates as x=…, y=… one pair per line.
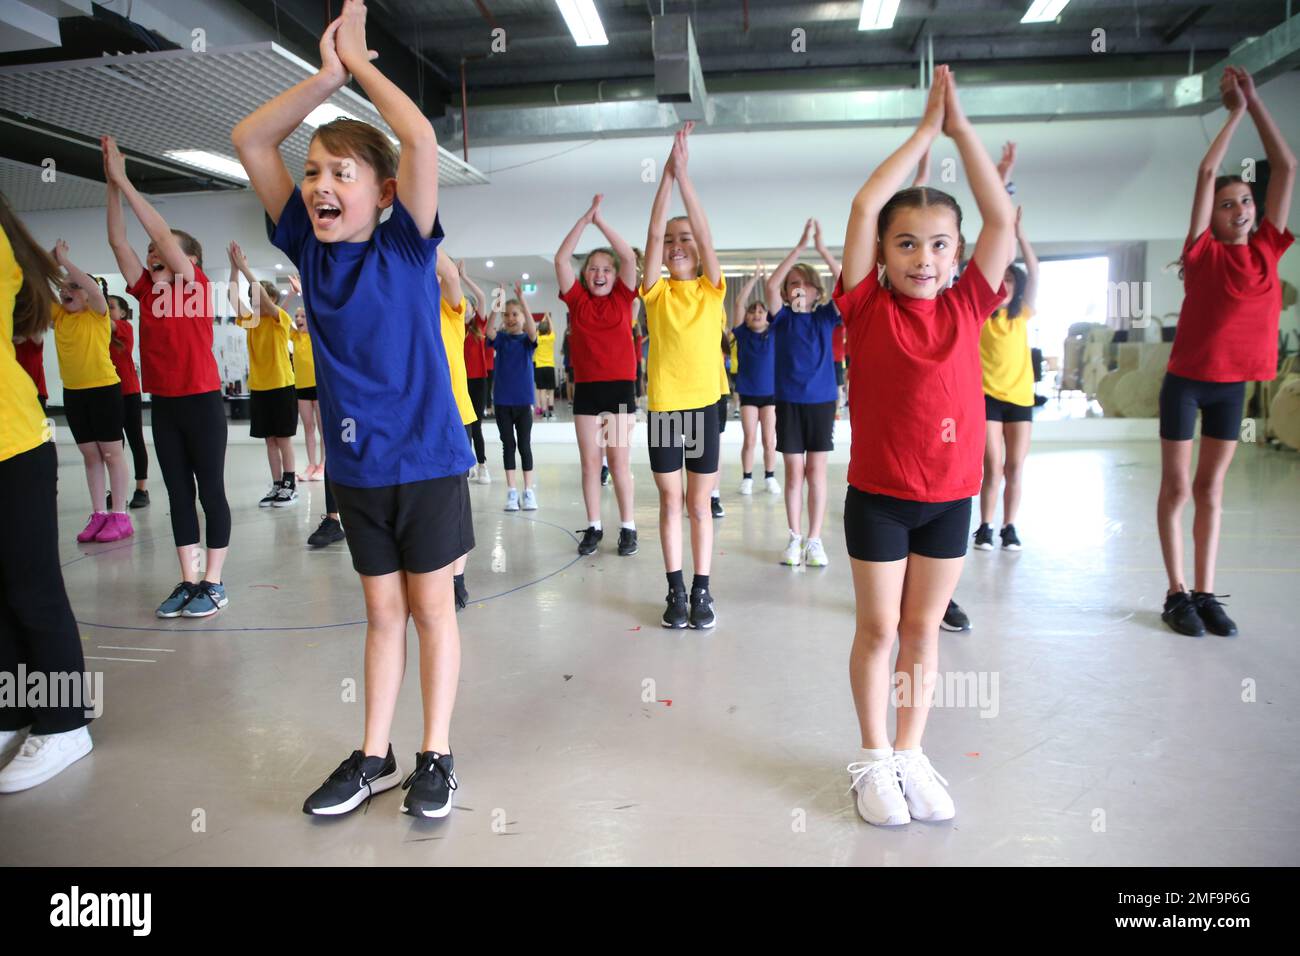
x=117, y=527
x=96, y=522
x=314, y=472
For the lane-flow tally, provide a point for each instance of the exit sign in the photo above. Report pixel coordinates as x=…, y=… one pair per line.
x=530, y=288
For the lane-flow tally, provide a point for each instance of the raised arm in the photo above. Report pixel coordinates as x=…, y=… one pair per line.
x=165, y=244
x=922, y=171
x=860, y=238
x=1203, y=200
x=1031, y=263
x=530, y=326
x=94, y=294
x=993, y=248
x=827, y=256
x=564, y=273
x=1281, y=160
x=694, y=210
x=772, y=288
x=128, y=263
x=234, y=255
x=741, y=305
x=480, y=300
x=626, y=255
x=494, y=316
x=653, y=262
x=449, y=280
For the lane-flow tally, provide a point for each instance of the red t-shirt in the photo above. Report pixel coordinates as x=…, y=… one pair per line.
x=1227, y=328
x=31, y=356
x=123, y=359
x=917, y=409
x=176, y=336
x=601, y=345
x=839, y=343
x=476, y=350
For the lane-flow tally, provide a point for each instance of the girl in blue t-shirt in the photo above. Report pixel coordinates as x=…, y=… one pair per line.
x=755, y=385
x=513, y=337
x=802, y=322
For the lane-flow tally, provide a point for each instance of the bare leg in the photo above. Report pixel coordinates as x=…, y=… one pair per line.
x=815, y=473
x=927, y=589
x=878, y=593
x=699, y=489
x=794, y=468
x=1016, y=441
x=992, y=484
x=669, y=484
x=386, y=615
x=433, y=608
x=1175, y=490
x=1207, y=490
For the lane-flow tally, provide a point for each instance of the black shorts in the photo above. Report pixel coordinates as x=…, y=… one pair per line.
x=883, y=528
x=595, y=398
x=690, y=435
x=544, y=378
x=758, y=401
x=417, y=527
x=273, y=413
x=803, y=427
x=1220, y=404
x=996, y=410
x=306, y=394
x=839, y=374
x=94, y=414
x=723, y=402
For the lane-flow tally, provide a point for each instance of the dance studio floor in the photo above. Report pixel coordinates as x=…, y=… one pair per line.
x=1089, y=734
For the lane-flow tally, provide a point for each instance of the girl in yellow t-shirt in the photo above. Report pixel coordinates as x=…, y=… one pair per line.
x=304, y=388
x=685, y=316
x=1008, y=394
x=92, y=396
x=273, y=406
x=544, y=368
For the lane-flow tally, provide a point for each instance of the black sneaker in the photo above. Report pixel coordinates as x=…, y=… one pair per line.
x=140, y=499
x=702, y=616
x=356, y=780
x=428, y=788
x=590, y=538
x=983, y=538
x=1180, y=614
x=715, y=504
x=627, y=545
x=955, y=619
x=1009, y=540
x=604, y=475
x=268, y=499
x=675, y=614
x=329, y=531
x=1212, y=614
x=461, y=593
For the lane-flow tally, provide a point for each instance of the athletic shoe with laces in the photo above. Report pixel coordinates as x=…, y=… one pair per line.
x=954, y=619
x=984, y=538
x=512, y=500
x=177, y=600
x=590, y=538
x=208, y=599
x=605, y=478
x=268, y=499
x=1180, y=614
x=793, y=555
x=117, y=527
x=10, y=742
x=1009, y=540
x=286, y=497
x=702, y=616
x=43, y=756
x=814, y=554
x=675, y=614
x=483, y=477
x=530, y=500
x=627, y=545
x=715, y=505
x=772, y=485
x=93, y=526
x=428, y=788
x=354, y=781
x=923, y=787
x=330, y=530
x=1212, y=614
x=140, y=499
x=746, y=486
x=880, y=798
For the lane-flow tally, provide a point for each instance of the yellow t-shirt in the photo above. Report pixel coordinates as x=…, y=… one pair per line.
x=304, y=366
x=22, y=424
x=685, y=359
x=544, y=356
x=1004, y=356
x=735, y=356
x=268, y=351
x=453, y=341
x=82, y=342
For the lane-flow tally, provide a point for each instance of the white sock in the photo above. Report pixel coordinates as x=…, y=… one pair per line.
x=629, y=525
x=795, y=534
x=874, y=755
x=915, y=752
x=716, y=493
x=595, y=524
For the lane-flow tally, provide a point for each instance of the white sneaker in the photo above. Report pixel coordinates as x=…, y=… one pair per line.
x=285, y=497
x=472, y=474
x=746, y=486
x=10, y=741
x=530, y=500
x=483, y=477
x=880, y=799
x=793, y=555
x=512, y=500
x=923, y=787
x=772, y=485
x=814, y=554
x=43, y=756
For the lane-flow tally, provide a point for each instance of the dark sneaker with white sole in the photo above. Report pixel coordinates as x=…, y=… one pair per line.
x=702, y=616
x=627, y=545
x=675, y=614
x=1180, y=614
x=1212, y=614
x=1009, y=540
x=140, y=499
x=715, y=506
x=984, y=538
x=955, y=619
x=330, y=530
x=429, y=787
x=356, y=780
x=590, y=538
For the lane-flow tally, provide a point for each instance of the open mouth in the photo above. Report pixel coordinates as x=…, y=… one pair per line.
x=920, y=280
x=1239, y=222
x=326, y=213
x=157, y=267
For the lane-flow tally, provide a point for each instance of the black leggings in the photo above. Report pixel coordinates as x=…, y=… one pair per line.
x=477, y=398
x=331, y=506
x=133, y=428
x=37, y=629
x=189, y=439
x=515, y=420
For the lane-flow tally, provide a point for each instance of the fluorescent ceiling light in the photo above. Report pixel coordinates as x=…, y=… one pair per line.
x=326, y=113
x=490, y=263
x=212, y=162
x=525, y=276
x=583, y=21
x=1043, y=11
x=877, y=14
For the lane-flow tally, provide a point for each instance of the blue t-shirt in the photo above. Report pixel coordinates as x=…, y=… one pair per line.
x=757, y=361
x=388, y=415
x=512, y=382
x=805, y=366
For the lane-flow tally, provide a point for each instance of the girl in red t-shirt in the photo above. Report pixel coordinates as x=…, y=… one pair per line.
x=478, y=358
x=917, y=440
x=121, y=348
x=1226, y=336
x=602, y=348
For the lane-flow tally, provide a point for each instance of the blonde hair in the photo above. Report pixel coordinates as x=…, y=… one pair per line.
x=809, y=275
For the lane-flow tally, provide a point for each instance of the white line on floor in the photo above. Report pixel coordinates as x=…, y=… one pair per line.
x=134, y=660
x=114, y=647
